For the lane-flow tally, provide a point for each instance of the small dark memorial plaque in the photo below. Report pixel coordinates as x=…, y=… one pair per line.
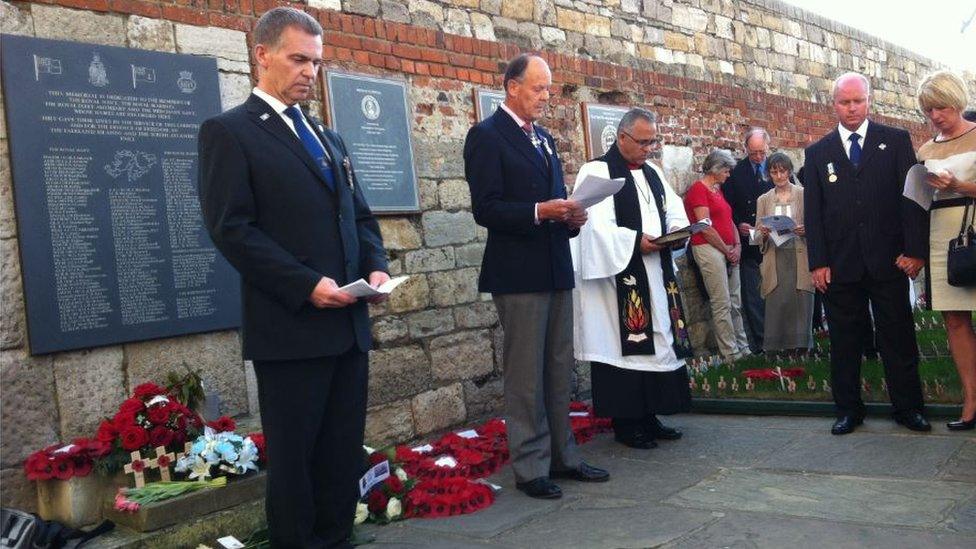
x=372, y=117
x=600, y=127
x=103, y=149
x=486, y=102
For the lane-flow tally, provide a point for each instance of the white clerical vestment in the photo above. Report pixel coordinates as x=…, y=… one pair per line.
x=602, y=250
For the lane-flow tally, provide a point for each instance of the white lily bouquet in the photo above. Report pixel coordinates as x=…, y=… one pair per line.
x=226, y=451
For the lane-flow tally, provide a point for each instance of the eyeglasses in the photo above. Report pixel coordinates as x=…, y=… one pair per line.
x=644, y=143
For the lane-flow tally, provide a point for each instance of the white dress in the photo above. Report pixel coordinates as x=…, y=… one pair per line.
x=602, y=250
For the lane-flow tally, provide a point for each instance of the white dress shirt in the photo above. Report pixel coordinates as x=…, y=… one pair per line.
x=280, y=108
x=845, y=136
x=520, y=123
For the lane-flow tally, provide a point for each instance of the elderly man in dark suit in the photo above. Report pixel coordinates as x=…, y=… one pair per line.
x=863, y=239
x=517, y=193
x=282, y=204
x=747, y=182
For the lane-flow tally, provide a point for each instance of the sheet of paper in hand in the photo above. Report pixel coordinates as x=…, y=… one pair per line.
x=779, y=223
x=917, y=188
x=593, y=189
x=361, y=288
x=683, y=233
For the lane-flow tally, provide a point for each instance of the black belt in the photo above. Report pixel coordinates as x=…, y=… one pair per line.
x=951, y=203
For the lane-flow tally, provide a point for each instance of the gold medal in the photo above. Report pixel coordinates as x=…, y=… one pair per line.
x=831, y=173
x=832, y=178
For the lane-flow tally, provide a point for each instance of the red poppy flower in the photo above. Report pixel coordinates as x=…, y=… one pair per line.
x=64, y=468
x=138, y=466
x=223, y=424
x=82, y=466
x=38, y=466
x=163, y=461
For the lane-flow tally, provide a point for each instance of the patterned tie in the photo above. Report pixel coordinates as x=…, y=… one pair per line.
x=759, y=173
x=855, y=149
x=312, y=145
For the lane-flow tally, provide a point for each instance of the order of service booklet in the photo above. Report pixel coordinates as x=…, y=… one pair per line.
x=361, y=288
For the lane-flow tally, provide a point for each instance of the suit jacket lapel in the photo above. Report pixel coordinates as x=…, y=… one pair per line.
x=271, y=122
x=514, y=135
x=836, y=150
x=871, y=141
x=335, y=155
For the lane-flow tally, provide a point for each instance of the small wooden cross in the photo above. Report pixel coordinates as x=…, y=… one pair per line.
x=137, y=467
x=164, y=461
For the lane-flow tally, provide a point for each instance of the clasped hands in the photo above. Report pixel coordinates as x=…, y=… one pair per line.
x=327, y=294
x=908, y=265
x=570, y=212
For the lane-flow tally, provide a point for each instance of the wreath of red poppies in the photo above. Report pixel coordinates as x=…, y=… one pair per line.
x=772, y=373
x=447, y=497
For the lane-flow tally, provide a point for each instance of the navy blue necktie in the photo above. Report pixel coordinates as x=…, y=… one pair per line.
x=311, y=143
x=855, y=149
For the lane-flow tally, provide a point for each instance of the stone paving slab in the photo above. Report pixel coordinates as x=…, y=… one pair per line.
x=644, y=525
x=961, y=466
x=898, y=502
x=915, y=456
x=750, y=530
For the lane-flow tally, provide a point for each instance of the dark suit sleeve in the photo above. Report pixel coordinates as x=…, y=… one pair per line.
x=728, y=191
x=915, y=220
x=813, y=212
x=372, y=255
x=483, y=170
x=229, y=212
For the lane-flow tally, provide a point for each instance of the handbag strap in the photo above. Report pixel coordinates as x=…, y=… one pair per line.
x=968, y=218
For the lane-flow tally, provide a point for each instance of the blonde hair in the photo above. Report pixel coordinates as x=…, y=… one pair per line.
x=942, y=89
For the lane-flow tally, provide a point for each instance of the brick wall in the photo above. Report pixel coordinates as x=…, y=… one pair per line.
x=436, y=363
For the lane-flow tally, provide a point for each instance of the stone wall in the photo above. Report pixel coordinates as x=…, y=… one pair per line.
x=437, y=359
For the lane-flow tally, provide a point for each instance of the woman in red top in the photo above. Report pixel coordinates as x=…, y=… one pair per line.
x=716, y=250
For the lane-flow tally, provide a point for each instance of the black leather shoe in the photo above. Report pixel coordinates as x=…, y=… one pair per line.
x=845, y=425
x=914, y=421
x=584, y=473
x=962, y=425
x=660, y=430
x=635, y=439
x=540, y=488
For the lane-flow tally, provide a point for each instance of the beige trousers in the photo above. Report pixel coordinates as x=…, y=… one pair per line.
x=725, y=299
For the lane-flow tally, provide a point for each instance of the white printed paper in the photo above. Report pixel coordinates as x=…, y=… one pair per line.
x=917, y=188
x=376, y=474
x=470, y=433
x=593, y=189
x=361, y=288
x=230, y=542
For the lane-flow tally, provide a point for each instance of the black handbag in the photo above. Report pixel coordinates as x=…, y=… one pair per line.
x=22, y=530
x=961, y=257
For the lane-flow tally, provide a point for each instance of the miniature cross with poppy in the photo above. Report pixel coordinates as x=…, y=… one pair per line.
x=164, y=461
x=138, y=466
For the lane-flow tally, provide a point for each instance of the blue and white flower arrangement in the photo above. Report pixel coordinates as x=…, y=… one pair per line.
x=226, y=451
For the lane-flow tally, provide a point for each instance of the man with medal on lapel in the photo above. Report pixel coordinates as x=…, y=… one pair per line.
x=281, y=202
x=863, y=238
x=517, y=193
x=629, y=319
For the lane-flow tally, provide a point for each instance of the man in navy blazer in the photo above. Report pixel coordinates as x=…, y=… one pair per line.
x=282, y=204
x=517, y=193
x=745, y=184
x=863, y=238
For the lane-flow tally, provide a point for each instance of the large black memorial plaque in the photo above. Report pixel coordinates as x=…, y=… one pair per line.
x=486, y=102
x=371, y=116
x=103, y=142
x=600, y=127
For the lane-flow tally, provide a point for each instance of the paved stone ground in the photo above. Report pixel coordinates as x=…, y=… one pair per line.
x=739, y=481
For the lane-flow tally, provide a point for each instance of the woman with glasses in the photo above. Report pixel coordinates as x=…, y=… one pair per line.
x=786, y=283
x=716, y=251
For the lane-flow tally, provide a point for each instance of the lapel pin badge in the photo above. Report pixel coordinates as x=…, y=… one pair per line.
x=264, y=117
x=321, y=129
x=348, y=166
x=882, y=146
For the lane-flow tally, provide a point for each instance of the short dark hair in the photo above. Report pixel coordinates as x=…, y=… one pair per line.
x=779, y=160
x=516, y=68
x=273, y=23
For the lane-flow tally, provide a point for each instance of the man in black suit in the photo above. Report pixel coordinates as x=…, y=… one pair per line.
x=282, y=204
x=517, y=193
x=746, y=183
x=863, y=238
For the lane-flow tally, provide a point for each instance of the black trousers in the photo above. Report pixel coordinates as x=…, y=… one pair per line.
x=847, y=305
x=313, y=412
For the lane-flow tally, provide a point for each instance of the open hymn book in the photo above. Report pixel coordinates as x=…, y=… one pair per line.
x=683, y=233
x=361, y=288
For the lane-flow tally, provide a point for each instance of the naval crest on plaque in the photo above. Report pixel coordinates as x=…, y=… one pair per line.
x=607, y=137
x=97, y=75
x=186, y=83
x=371, y=107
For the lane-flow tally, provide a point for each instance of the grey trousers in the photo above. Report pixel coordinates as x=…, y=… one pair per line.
x=538, y=363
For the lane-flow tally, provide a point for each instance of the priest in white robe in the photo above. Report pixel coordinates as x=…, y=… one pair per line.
x=629, y=321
